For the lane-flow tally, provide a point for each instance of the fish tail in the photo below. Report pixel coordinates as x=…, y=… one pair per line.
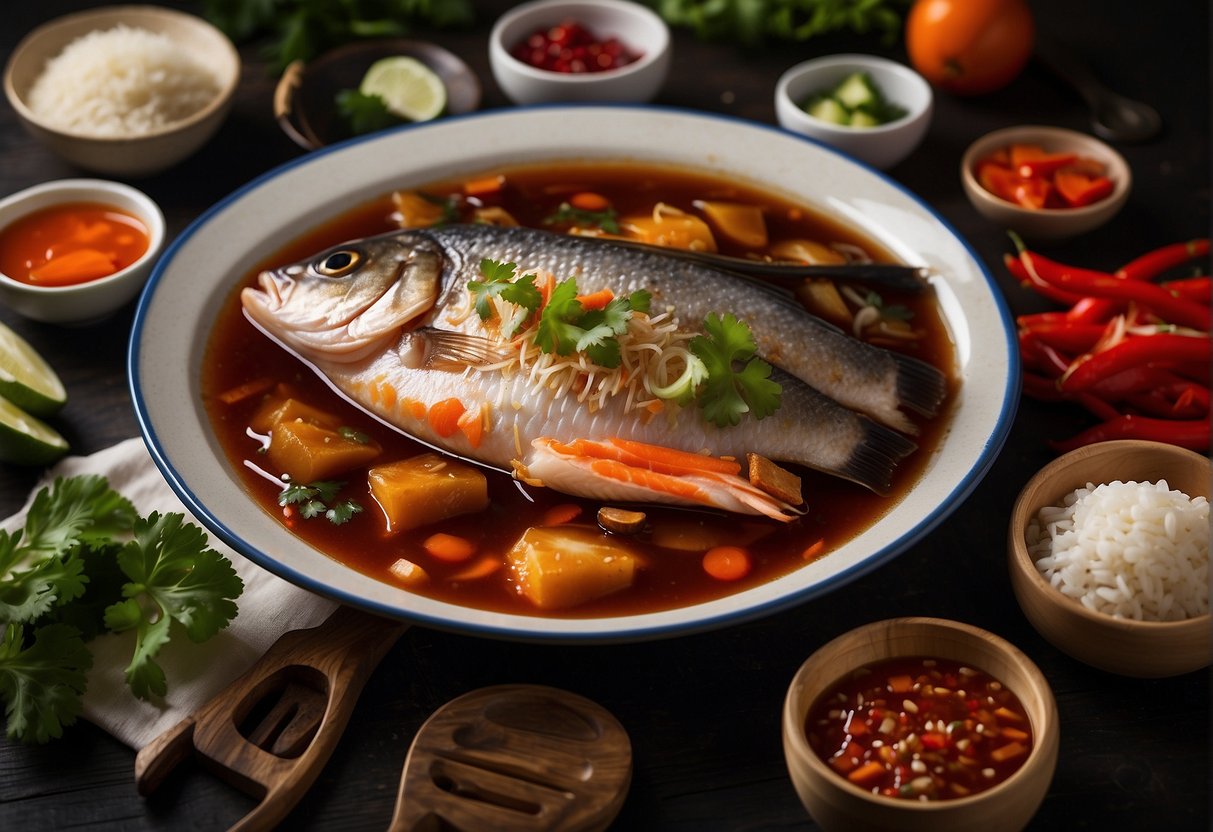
x=920, y=386
x=875, y=456
x=633, y=471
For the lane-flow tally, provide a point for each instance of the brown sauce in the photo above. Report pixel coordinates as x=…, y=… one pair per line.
x=238, y=354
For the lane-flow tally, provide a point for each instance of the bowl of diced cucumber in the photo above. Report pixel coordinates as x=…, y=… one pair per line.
x=871, y=108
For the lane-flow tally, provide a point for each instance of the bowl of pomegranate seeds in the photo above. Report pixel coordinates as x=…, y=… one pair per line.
x=591, y=50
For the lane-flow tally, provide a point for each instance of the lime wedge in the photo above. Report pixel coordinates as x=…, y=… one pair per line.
x=25, y=439
x=25, y=378
x=409, y=88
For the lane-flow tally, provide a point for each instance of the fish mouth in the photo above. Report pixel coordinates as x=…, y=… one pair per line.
x=262, y=303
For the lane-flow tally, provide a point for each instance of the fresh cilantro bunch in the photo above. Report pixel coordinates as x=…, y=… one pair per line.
x=499, y=282
x=566, y=327
x=87, y=563
x=731, y=391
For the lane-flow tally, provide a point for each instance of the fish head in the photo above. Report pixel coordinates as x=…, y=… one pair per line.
x=350, y=300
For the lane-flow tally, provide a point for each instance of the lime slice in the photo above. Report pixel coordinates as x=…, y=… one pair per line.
x=25, y=378
x=27, y=440
x=409, y=88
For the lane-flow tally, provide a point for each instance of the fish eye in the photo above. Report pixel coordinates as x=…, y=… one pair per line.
x=339, y=263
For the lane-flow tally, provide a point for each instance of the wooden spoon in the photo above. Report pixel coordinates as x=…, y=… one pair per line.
x=270, y=732
x=512, y=758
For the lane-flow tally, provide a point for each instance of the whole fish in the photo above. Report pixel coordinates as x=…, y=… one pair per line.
x=387, y=322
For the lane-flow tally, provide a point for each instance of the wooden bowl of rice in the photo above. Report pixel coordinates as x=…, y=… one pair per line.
x=123, y=90
x=1115, y=571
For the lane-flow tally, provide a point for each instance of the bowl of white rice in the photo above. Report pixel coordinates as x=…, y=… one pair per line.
x=1109, y=557
x=123, y=90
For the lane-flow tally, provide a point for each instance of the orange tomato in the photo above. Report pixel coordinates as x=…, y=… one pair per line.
x=969, y=47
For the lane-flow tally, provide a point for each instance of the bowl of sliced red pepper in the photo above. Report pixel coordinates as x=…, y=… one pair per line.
x=1131, y=345
x=1046, y=183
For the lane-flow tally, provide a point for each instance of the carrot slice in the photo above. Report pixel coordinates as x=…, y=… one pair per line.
x=77, y=266
x=727, y=563
x=485, y=186
x=482, y=568
x=561, y=514
x=245, y=391
x=444, y=416
x=596, y=300
x=449, y=548
x=471, y=422
x=866, y=773
x=589, y=201
x=814, y=549
x=673, y=458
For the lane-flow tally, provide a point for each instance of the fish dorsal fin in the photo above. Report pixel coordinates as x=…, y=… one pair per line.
x=428, y=348
x=414, y=294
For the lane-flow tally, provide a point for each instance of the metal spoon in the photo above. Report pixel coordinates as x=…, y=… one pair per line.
x=1113, y=116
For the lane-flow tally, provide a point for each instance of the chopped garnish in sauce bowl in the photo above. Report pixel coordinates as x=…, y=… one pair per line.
x=920, y=728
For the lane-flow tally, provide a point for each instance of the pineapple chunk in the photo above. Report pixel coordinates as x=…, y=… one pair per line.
x=309, y=453
x=425, y=489
x=562, y=566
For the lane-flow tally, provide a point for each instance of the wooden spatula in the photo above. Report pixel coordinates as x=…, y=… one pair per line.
x=521, y=758
x=271, y=731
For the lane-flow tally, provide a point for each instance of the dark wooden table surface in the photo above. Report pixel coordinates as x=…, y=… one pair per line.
x=702, y=711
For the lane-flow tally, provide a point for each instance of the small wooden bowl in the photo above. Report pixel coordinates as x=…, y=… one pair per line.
x=305, y=98
x=1145, y=649
x=837, y=804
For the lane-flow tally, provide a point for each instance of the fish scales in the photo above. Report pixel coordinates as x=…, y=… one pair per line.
x=854, y=373
x=356, y=312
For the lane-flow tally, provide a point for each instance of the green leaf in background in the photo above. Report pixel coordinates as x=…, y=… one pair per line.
x=752, y=21
x=365, y=113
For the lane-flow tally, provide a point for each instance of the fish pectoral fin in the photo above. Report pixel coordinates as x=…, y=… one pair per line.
x=633, y=471
x=428, y=348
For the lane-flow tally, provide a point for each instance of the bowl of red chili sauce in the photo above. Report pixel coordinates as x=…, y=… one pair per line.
x=587, y=50
x=920, y=724
x=74, y=251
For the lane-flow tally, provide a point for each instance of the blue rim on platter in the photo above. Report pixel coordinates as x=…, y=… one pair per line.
x=204, y=264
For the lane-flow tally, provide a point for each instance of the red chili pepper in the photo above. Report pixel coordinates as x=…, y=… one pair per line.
x=1041, y=318
x=1195, y=289
x=1163, y=349
x=1082, y=282
x=1132, y=380
x=1097, y=407
x=1041, y=388
x=1040, y=356
x=1190, y=433
x=1068, y=337
x=1153, y=263
x=1093, y=310
x=1020, y=271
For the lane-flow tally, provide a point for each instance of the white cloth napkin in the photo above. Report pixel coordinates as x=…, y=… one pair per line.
x=268, y=607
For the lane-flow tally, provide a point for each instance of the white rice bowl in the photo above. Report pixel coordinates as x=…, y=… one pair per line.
x=1130, y=550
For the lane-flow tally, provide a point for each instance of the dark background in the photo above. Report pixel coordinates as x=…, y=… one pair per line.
x=703, y=712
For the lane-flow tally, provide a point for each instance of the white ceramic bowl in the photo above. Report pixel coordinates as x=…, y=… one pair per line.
x=837, y=805
x=1144, y=649
x=82, y=303
x=129, y=155
x=639, y=28
x=1047, y=223
x=882, y=146
x=178, y=310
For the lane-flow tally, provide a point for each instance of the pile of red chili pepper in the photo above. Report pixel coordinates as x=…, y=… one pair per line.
x=1132, y=347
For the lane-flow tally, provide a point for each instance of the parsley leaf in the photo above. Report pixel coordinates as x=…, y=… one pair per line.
x=566, y=214
x=41, y=683
x=173, y=577
x=565, y=327
x=499, y=282
x=314, y=499
x=728, y=393
x=64, y=575
x=556, y=332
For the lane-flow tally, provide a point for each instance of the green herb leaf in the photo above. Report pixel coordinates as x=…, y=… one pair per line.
x=41, y=683
x=891, y=311
x=499, y=281
x=566, y=214
x=728, y=393
x=173, y=577
x=351, y=435
x=753, y=21
x=556, y=332
x=365, y=113
x=342, y=512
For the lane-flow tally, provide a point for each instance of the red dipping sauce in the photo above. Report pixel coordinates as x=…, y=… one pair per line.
x=72, y=243
x=920, y=729
x=570, y=47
